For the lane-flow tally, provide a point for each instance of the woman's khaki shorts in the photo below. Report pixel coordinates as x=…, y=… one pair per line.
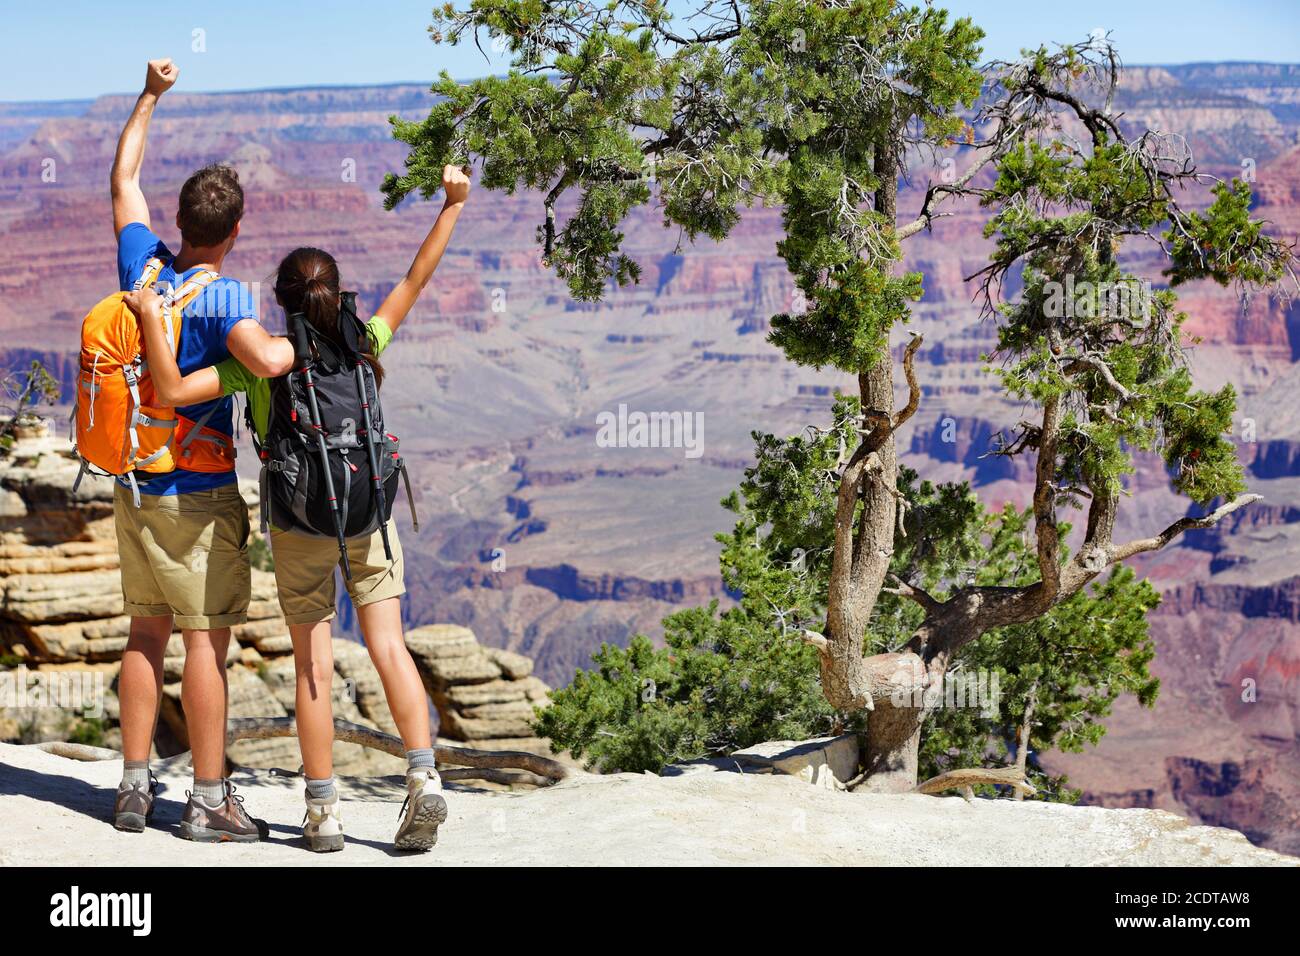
x=304, y=572
x=185, y=555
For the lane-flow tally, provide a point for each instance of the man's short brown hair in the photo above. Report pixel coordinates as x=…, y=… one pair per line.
x=212, y=202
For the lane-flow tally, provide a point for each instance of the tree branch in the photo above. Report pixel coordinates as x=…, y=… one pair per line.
x=913, y=388
x=1121, y=552
x=913, y=593
x=258, y=728
x=925, y=218
x=973, y=776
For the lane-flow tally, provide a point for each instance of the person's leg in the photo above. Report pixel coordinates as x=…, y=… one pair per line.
x=139, y=690
x=313, y=655
x=139, y=686
x=214, y=814
x=195, y=546
x=381, y=625
x=199, y=552
x=304, y=582
x=376, y=589
x=203, y=697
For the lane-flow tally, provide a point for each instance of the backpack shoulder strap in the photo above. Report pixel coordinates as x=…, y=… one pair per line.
x=192, y=286
x=149, y=275
x=175, y=303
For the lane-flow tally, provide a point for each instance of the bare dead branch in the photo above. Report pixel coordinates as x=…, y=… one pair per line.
x=1123, y=551
x=913, y=388
x=913, y=593
x=816, y=640
x=973, y=776
x=63, y=748
x=259, y=728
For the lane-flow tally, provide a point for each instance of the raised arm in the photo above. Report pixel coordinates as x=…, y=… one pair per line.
x=455, y=184
x=129, y=204
x=263, y=354
x=170, y=387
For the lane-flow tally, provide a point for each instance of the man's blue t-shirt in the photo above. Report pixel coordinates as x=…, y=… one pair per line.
x=205, y=323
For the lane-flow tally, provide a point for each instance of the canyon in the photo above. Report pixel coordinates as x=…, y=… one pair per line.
x=547, y=544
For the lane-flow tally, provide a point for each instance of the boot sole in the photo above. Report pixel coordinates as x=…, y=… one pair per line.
x=205, y=835
x=325, y=844
x=130, y=822
x=422, y=834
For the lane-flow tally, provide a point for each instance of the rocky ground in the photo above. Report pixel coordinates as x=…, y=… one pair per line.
x=55, y=812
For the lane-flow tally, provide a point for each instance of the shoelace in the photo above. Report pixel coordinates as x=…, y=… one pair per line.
x=151, y=788
x=236, y=803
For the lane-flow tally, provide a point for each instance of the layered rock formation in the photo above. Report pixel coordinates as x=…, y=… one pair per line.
x=485, y=696
x=61, y=614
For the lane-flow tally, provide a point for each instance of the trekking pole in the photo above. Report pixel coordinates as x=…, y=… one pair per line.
x=302, y=350
x=377, y=483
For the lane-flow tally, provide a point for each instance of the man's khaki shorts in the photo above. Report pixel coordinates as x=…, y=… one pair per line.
x=304, y=572
x=185, y=555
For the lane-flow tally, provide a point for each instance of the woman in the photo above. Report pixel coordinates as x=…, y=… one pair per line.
x=308, y=282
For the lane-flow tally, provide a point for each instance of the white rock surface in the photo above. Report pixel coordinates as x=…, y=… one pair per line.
x=55, y=811
x=822, y=761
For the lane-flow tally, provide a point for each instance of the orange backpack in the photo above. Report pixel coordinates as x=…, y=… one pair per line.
x=121, y=428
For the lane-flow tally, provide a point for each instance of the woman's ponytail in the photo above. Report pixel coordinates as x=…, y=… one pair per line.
x=308, y=282
x=320, y=303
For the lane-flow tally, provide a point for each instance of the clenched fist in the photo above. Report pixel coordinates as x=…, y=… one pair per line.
x=160, y=76
x=455, y=184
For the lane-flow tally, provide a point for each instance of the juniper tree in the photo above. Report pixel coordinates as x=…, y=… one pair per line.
x=730, y=679
x=818, y=108
x=24, y=391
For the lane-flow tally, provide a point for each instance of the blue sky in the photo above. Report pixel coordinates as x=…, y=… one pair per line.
x=73, y=49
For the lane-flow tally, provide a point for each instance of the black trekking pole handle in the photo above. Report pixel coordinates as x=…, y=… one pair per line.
x=301, y=343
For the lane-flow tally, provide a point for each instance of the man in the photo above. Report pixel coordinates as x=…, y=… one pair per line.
x=183, y=548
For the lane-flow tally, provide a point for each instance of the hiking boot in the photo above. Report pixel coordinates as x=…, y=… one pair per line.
x=134, y=806
x=322, y=826
x=423, y=812
x=226, y=823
